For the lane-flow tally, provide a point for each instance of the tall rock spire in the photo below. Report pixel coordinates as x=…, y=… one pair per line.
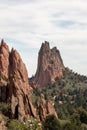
x=4, y=70
x=20, y=90
x=50, y=65
x=4, y=59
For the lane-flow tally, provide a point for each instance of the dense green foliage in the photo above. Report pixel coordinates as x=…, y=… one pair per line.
x=5, y=108
x=68, y=93
x=15, y=125
x=83, y=116
x=26, y=124
x=51, y=123
x=70, y=99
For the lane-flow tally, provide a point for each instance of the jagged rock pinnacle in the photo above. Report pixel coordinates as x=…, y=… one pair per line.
x=50, y=65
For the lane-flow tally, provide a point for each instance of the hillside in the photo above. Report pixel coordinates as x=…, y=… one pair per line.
x=70, y=91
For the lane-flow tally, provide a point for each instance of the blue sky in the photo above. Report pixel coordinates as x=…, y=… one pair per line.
x=25, y=24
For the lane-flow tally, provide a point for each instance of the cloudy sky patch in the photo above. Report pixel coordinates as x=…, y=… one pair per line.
x=25, y=24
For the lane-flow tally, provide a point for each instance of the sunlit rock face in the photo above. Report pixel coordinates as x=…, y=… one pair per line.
x=14, y=85
x=20, y=89
x=50, y=65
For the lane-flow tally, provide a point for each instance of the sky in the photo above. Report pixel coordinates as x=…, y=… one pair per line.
x=25, y=24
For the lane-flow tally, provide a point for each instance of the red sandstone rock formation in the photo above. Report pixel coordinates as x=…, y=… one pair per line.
x=4, y=69
x=19, y=88
x=4, y=61
x=13, y=68
x=46, y=108
x=50, y=66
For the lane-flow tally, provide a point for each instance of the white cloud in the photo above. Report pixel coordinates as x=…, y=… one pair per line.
x=63, y=23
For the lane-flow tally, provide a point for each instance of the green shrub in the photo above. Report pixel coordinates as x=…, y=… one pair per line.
x=32, y=124
x=71, y=126
x=26, y=124
x=75, y=119
x=51, y=123
x=83, y=116
x=15, y=125
x=5, y=108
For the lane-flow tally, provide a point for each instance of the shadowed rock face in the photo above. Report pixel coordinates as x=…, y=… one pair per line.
x=4, y=70
x=50, y=65
x=46, y=108
x=13, y=68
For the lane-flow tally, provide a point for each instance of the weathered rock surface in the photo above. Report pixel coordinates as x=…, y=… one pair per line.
x=50, y=66
x=20, y=90
x=46, y=108
x=17, y=90
x=4, y=69
x=4, y=59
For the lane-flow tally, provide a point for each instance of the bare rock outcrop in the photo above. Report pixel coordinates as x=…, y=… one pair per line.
x=46, y=108
x=50, y=65
x=4, y=59
x=20, y=90
x=4, y=69
x=14, y=85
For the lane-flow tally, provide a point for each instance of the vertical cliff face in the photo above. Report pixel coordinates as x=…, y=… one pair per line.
x=17, y=90
x=50, y=65
x=4, y=61
x=4, y=70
